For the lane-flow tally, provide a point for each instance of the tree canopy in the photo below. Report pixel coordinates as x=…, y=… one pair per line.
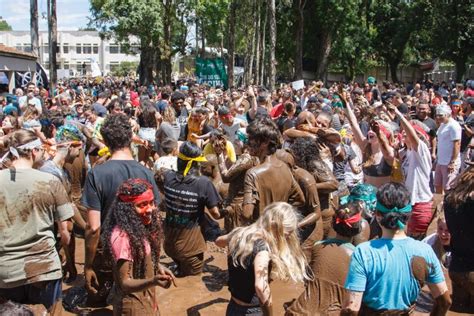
x=314, y=35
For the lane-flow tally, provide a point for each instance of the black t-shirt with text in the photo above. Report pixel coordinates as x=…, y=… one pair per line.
x=103, y=181
x=186, y=198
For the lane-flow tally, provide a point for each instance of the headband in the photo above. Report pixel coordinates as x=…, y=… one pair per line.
x=31, y=145
x=381, y=208
x=369, y=198
x=190, y=161
x=145, y=196
x=227, y=116
x=349, y=221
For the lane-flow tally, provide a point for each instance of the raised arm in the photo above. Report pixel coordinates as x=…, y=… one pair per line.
x=253, y=103
x=359, y=137
x=407, y=127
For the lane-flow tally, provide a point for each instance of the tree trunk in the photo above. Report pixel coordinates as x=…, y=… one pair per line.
x=262, y=45
x=34, y=28
x=166, y=46
x=231, y=38
x=145, y=67
x=299, y=30
x=271, y=57
x=53, y=43
x=257, y=45
x=460, y=63
x=393, y=64
x=253, y=36
x=323, y=55
x=203, y=41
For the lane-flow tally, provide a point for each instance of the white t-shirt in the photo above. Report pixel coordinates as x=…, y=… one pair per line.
x=351, y=178
x=166, y=162
x=417, y=170
x=23, y=99
x=447, y=134
x=231, y=131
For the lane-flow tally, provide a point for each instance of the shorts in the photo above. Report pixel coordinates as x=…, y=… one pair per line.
x=45, y=292
x=420, y=218
x=443, y=178
x=234, y=309
x=190, y=266
x=463, y=291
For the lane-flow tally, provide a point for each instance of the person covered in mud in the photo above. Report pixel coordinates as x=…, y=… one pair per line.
x=209, y=169
x=311, y=225
x=99, y=194
x=307, y=156
x=234, y=176
x=31, y=201
x=186, y=195
x=268, y=247
x=132, y=237
x=272, y=180
x=329, y=263
x=371, y=283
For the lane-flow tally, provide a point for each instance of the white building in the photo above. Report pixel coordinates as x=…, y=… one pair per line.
x=75, y=48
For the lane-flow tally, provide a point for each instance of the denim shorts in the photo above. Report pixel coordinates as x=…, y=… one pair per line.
x=234, y=309
x=45, y=292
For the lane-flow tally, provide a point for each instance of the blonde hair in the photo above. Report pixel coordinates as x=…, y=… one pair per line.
x=277, y=227
x=169, y=115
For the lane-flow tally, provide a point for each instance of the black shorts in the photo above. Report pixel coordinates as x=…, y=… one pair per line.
x=46, y=293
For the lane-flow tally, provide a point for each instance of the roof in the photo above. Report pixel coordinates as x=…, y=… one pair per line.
x=13, y=52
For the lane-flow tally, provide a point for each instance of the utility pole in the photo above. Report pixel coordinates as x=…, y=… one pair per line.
x=53, y=44
x=34, y=27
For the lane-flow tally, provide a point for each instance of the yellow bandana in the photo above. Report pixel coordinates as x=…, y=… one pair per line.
x=190, y=161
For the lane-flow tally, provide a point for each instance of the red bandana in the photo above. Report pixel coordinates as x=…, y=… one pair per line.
x=349, y=221
x=145, y=196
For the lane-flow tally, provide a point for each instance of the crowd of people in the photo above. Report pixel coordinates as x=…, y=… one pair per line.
x=334, y=186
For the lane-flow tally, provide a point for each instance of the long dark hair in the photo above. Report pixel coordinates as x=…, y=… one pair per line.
x=462, y=189
x=147, y=117
x=305, y=151
x=123, y=216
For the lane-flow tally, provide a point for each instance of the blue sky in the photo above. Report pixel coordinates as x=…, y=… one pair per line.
x=72, y=14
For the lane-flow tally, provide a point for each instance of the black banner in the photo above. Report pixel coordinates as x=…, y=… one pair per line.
x=23, y=78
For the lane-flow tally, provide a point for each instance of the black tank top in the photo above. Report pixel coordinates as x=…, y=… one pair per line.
x=242, y=280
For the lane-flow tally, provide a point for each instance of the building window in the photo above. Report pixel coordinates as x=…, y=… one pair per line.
x=45, y=48
x=135, y=50
x=66, y=48
x=114, y=49
x=95, y=49
x=66, y=65
x=19, y=47
x=86, y=49
x=113, y=66
x=27, y=48
x=78, y=49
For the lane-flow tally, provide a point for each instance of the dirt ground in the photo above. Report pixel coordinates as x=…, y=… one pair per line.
x=205, y=295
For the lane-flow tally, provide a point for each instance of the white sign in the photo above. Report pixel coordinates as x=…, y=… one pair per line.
x=298, y=85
